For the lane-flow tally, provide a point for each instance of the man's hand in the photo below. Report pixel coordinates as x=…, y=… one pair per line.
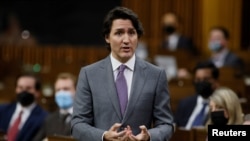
x=143, y=136
x=113, y=135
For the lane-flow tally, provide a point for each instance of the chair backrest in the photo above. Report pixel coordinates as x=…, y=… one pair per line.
x=178, y=90
x=2, y=136
x=200, y=134
x=182, y=135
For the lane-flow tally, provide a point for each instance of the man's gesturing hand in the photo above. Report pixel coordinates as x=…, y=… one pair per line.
x=113, y=135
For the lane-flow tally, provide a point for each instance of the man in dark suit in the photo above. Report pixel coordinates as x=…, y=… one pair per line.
x=137, y=109
x=221, y=56
x=58, y=122
x=173, y=39
x=32, y=115
x=206, y=76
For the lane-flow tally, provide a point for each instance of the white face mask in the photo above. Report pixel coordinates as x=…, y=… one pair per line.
x=215, y=46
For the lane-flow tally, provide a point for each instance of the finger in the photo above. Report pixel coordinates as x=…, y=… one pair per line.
x=124, y=137
x=122, y=133
x=144, y=129
x=132, y=138
x=115, y=127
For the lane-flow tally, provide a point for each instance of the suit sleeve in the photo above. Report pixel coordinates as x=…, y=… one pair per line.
x=82, y=121
x=162, y=114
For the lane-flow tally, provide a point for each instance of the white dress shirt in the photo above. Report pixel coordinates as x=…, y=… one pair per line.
x=219, y=58
x=197, y=109
x=128, y=72
x=173, y=41
x=25, y=115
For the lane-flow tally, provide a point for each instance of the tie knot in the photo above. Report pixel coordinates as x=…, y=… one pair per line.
x=20, y=113
x=122, y=68
x=205, y=104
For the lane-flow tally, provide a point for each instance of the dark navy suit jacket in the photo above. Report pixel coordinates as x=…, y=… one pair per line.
x=184, y=110
x=184, y=43
x=30, y=127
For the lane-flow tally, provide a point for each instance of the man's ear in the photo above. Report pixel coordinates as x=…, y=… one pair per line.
x=107, y=39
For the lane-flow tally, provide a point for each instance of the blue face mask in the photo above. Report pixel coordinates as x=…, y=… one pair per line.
x=215, y=46
x=64, y=99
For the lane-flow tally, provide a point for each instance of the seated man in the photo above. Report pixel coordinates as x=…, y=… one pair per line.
x=173, y=39
x=192, y=111
x=221, y=55
x=22, y=119
x=58, y=122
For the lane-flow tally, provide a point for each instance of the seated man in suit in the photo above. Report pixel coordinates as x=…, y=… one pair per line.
x=173, y=39
x=221, y=56
x=206, y=76
x=58, y=122
x=22, y=119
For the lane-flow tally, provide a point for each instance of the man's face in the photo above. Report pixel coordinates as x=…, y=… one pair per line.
x=65, y=85
x=123, y=40
x=205, y=74
x=26, y=83
x=170, y=19
x=217, y=36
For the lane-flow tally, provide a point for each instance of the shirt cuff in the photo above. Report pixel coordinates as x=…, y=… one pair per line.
x=103, y=135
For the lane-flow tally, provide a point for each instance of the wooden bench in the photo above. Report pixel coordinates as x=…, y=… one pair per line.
x=60, y=138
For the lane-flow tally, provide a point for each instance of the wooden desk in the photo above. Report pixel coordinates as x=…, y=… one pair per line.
x=182, y=135
x=60, y=138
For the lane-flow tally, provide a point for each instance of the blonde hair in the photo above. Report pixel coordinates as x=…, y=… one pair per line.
x=66, y=75
x=226, y=98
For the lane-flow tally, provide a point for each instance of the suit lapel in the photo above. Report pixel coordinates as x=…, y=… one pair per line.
x=110, y=86
x=136, y=87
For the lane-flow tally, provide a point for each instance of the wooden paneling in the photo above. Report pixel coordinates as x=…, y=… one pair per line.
x=197, y=17
x=225, y=13
x=46, y=61
x=150, y=13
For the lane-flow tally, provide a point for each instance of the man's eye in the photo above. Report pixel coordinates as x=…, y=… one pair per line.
x=132, y=32
x=118, y=33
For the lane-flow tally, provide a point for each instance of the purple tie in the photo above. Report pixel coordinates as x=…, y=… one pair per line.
x=122, y=90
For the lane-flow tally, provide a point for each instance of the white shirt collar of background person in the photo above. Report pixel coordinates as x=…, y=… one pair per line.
x=198, y=107
x=26, y=113
x=67, y=111
x=219, y=58
x=128, y=73
x=173, y=41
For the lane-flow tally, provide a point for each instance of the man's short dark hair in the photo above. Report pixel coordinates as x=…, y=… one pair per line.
x=121, y=13
x=223, y=30
x=208, y=65
x=38, y=84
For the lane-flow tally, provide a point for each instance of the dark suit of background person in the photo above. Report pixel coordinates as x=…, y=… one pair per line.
x=28, y=90
x=173, y=39
x=58, y=122
x=221, y=56
x=205, y=81
x=96, y=107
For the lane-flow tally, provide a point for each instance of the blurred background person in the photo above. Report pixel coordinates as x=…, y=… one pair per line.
x=225, y=108
x=192, y=111
x=22, y=119
x=173, y=38
x=58, y=122
x=221, y=55
x=246, y=119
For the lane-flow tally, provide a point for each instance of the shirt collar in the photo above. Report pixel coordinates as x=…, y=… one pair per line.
x=67, y=111
x=130, y=63
x=27, y=108
x=201, y=100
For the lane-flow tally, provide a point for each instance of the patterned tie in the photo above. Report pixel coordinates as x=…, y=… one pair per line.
x=199, y=120
x=13, y=131
x=122, y=90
